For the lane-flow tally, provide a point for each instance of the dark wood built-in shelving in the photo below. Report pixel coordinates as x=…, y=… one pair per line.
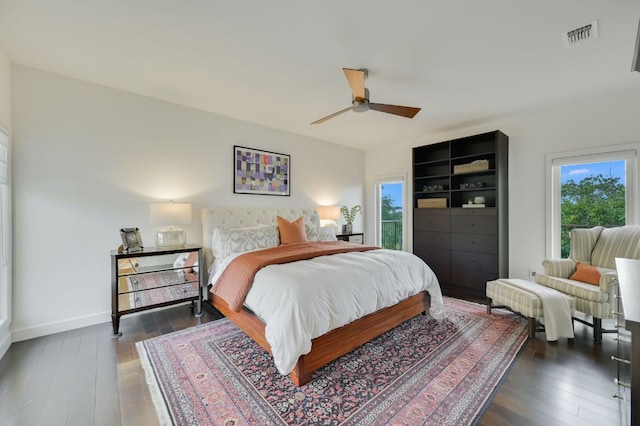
x=465, y=247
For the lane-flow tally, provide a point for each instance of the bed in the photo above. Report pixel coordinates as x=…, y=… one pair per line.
x=305, y=335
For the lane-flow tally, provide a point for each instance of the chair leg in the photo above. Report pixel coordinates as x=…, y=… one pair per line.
x=532, y=328
x=597, y=329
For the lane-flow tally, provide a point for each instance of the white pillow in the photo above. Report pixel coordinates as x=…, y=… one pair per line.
x=312, y=232
x=327, y=233
x=228, y=241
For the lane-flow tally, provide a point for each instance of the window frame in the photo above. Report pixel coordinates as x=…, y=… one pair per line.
x=554, y=162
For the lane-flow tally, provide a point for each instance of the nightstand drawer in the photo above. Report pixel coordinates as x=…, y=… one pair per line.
x=352, y=238
x=356, y=239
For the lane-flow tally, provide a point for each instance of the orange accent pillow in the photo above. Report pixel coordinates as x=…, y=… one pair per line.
x=292, y=232
x=191, y=261
x=586, y=273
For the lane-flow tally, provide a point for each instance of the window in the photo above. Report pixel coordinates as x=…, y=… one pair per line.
x=390, y=215
x=589, y=189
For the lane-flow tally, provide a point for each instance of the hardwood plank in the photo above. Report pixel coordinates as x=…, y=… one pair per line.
x=592, y=414
x=16, y=369
x=35, y=395
x=107, y=411
x=135, y=401
x=82, y=407
x=56, y=407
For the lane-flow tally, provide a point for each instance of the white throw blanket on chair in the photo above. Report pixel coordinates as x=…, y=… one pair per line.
x=555, y=306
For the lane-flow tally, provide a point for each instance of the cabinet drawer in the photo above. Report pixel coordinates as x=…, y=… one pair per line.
x=475, y=261
x=474, y=224
x=431, y=255
x=432, y=239
x=488, y=211
x=439, y=261
x=356, y=239
x=432, y=223
x=442, y=271
x=137, y=282
x=471, y=279
x=475, y=243
x=157, y=296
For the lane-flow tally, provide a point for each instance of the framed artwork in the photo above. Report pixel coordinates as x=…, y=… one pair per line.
x=131, y=240
x=260, y=172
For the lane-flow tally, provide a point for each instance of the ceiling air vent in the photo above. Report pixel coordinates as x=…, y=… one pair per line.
x=581, y=35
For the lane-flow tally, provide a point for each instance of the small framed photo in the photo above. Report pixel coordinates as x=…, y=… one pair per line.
x=261, y=172
x=131, y=240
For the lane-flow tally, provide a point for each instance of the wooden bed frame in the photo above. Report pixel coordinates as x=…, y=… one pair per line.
x=327, y=347
x=335, y=343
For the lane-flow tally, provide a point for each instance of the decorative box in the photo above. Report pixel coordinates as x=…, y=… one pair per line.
x=432, y=203
x=474, y=166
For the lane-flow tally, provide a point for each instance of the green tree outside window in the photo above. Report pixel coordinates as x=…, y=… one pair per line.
x=594, y=201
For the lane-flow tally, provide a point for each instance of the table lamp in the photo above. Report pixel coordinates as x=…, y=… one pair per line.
x=170, y=214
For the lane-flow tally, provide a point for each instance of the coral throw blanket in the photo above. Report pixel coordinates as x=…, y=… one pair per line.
x=235, y=281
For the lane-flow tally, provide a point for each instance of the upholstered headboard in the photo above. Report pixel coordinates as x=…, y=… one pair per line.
x=241, y=217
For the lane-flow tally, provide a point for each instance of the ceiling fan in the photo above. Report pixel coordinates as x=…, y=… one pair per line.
x=360, y=98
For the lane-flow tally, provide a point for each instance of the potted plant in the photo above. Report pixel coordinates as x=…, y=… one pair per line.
x=349, y=216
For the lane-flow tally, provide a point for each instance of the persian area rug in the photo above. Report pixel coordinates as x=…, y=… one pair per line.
x=440, y=369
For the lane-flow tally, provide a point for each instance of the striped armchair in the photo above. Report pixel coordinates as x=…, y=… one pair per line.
x=598, y=247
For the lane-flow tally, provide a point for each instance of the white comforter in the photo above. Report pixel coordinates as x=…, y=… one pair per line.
x=302, y=300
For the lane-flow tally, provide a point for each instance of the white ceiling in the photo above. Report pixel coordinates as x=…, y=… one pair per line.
x=279, y=63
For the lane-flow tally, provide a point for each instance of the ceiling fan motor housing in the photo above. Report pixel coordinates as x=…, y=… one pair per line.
x=361, y=105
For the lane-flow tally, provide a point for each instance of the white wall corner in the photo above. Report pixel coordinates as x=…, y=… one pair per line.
x=5, y=338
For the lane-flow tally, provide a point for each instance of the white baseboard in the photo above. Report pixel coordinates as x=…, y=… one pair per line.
x=5, y=340
x=58, y=327
x=71, y=324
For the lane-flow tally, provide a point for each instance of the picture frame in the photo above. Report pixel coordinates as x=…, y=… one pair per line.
x=261, y=172
x=131, y=240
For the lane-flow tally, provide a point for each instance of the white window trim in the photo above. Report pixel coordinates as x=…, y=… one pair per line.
x=629, y=153
x=378, y=181
x=5, y=243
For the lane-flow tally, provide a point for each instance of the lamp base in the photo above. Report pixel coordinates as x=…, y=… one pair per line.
x=171, y=238
x=328, y=223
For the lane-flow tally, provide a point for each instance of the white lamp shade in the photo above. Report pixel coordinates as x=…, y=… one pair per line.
x=329, y=212
x=170, y=213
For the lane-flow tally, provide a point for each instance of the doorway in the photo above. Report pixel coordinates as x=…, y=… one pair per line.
x=390, y=213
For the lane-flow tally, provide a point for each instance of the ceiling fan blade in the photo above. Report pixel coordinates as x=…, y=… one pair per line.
x=356, y=81
x=335, y=114
x=403, y=111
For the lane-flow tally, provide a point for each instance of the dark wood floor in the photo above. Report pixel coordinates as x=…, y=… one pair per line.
x=84, y=377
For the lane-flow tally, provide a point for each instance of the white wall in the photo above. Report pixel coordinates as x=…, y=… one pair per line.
x=5, y=92
x=5, y=279
x=89, y=159
x=613, y=119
